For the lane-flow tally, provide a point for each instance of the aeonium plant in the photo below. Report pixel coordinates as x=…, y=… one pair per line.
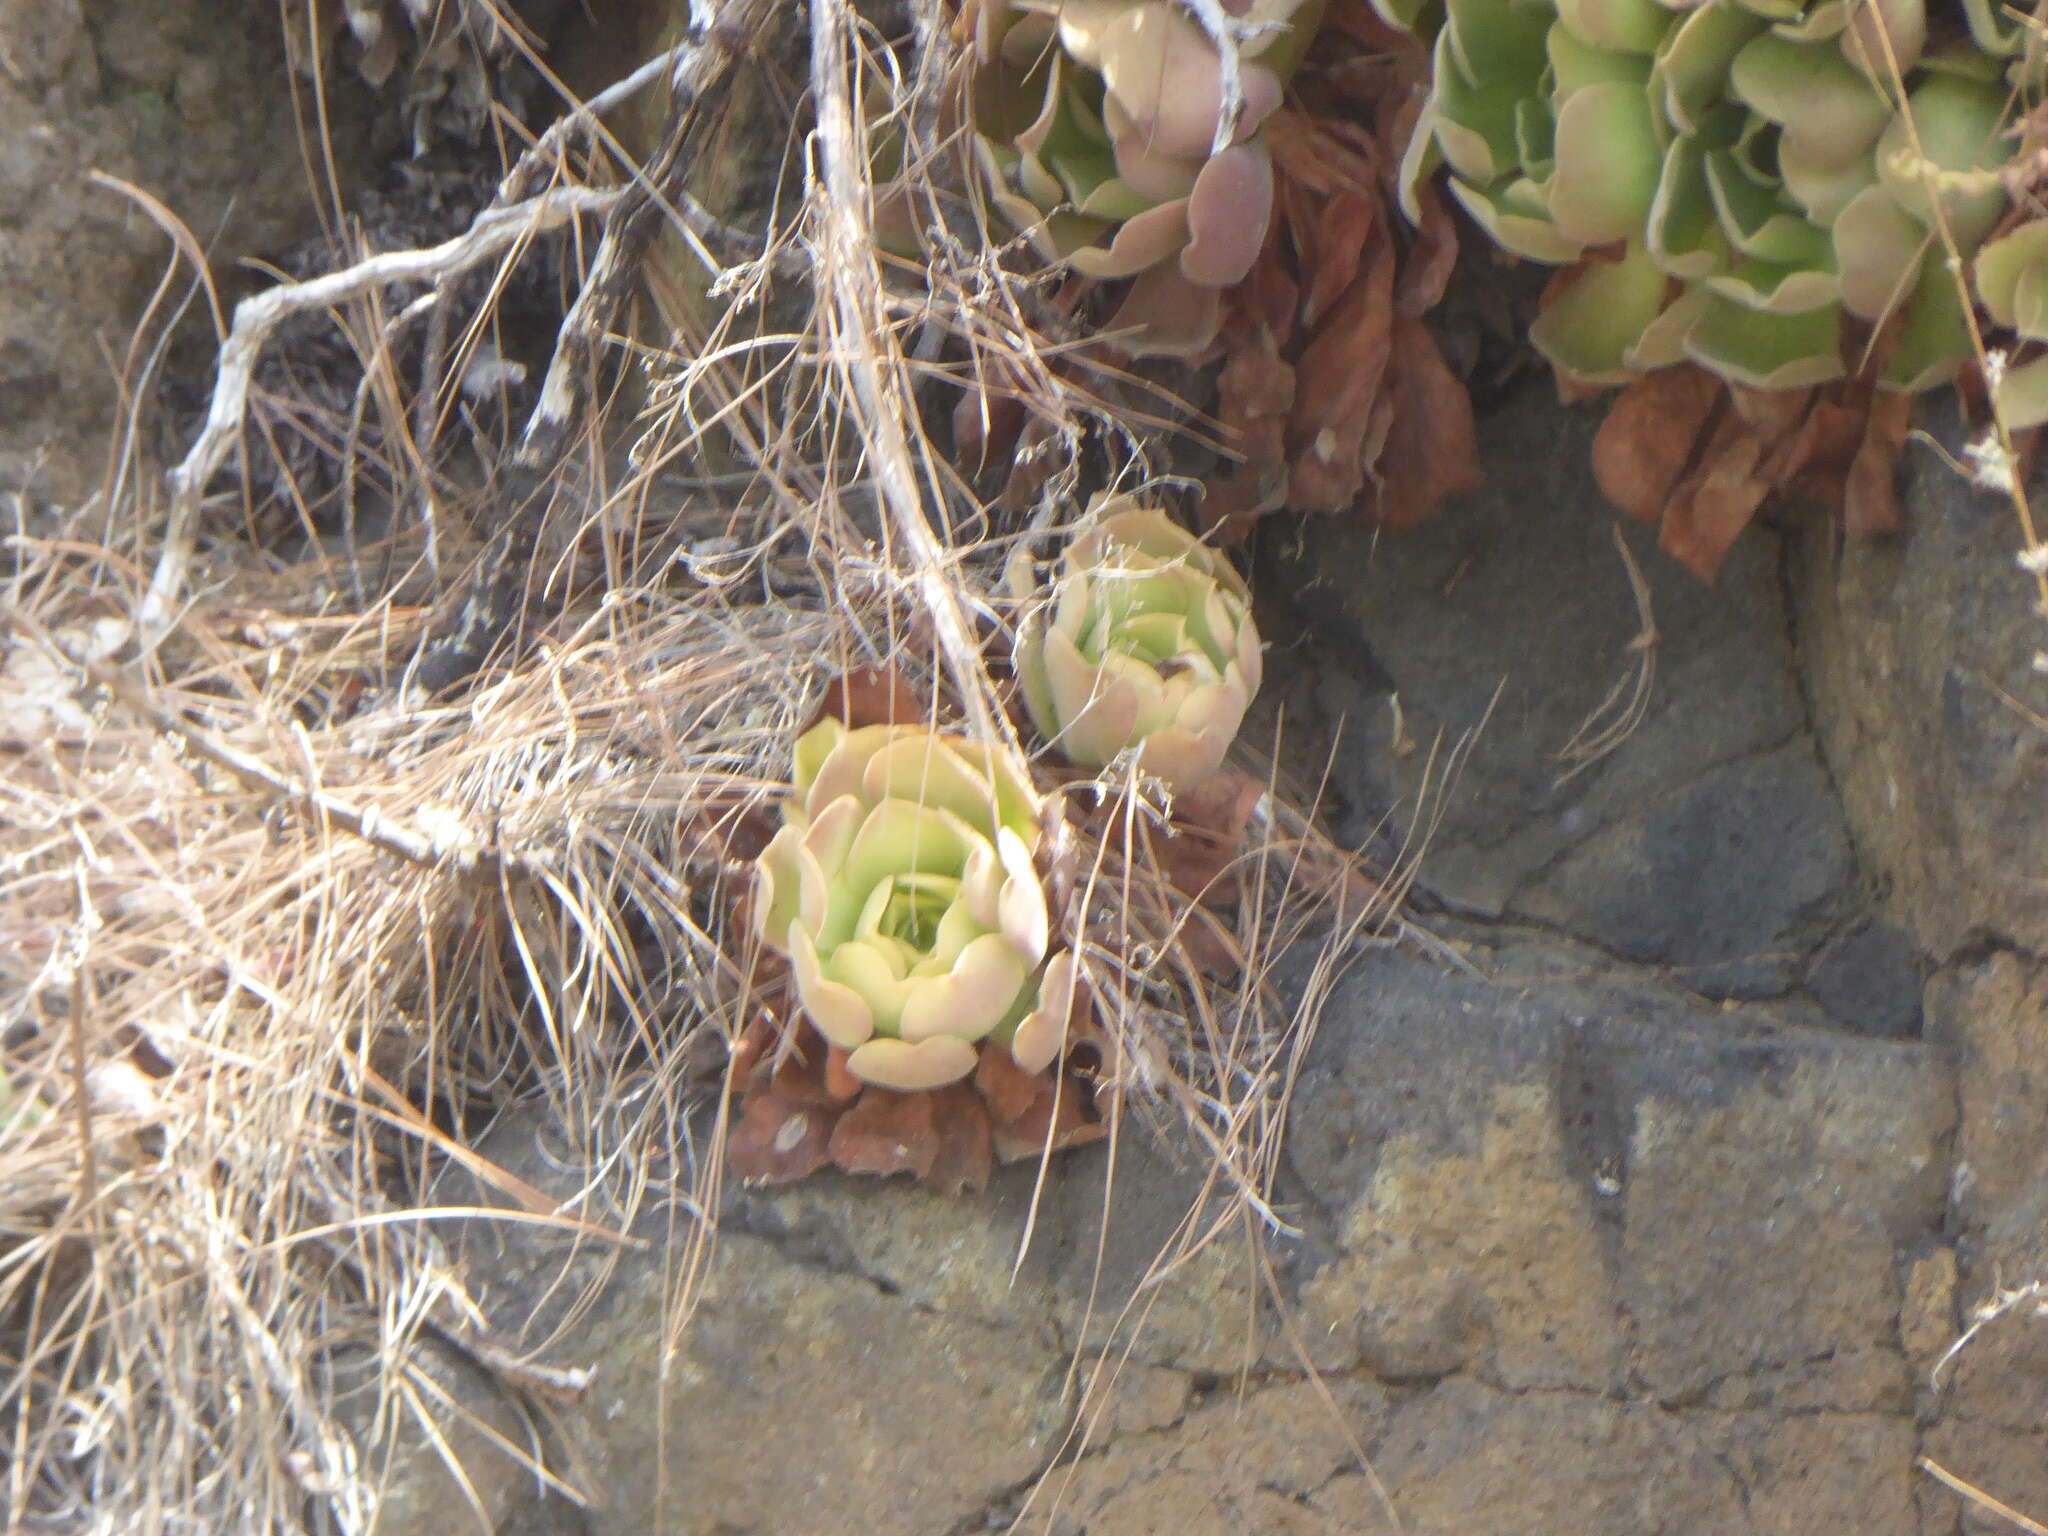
x=1144, y=645
x=902, y=888
x=1737, y=180
x=1103, y=130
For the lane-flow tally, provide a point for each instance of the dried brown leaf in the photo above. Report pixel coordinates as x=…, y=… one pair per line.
x=752, y=1049
x=886, y=1133
x=778, y=1141
x=873, y=696
x=801, y=1076
x=1334, y=251
x=1717, y=501
x=966, y=1143
x=1377, y=421
x=1430, y=449
x=985, y=430
x=840, y=1084
x=1870, y=500
x=1824, y=444
x=714, y=835
x=1061, y=1115
x=1432, y=254
x=1198, y=849
x=1007, y=1087
x=1646, y=444
x=1338, y=380
x=1210, y=945
x=1255, y=393
x=1266, y=302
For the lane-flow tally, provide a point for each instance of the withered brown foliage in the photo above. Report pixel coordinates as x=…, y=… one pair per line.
x=1333, y=389
x=1698, y=457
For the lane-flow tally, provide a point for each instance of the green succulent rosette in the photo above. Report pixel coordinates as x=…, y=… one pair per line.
x=901, y=887
x=1750, y=175
x=1099, y=128
x=1145, y=644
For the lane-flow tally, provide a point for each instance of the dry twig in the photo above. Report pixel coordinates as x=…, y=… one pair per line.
x=258, y=315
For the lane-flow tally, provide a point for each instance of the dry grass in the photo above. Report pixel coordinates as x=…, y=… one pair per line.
x=278, y=933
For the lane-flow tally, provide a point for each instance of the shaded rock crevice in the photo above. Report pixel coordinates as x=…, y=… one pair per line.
x=1708, y=843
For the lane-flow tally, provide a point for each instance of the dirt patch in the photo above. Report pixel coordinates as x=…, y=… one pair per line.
x=193, y=103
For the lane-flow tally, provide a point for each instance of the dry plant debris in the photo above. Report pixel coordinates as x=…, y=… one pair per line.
x=1332, y=386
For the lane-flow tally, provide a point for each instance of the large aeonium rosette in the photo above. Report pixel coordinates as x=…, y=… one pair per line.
x=1754, y=185
x=1099, y=125
x=902, y=888
x=1146, y=643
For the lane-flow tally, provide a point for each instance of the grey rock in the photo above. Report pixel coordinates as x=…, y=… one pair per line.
x=1729, y=880
x=1707, y=841
x=801, y=1397
x=1869, y=980
x=1919, y=652
x=1461, y=1458
x=1771, y=1188
x=1570, y=1235
x=1557, y=1174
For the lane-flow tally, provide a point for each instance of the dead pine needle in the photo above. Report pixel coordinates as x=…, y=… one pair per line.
x=1615, y=718
x=1979, y=1497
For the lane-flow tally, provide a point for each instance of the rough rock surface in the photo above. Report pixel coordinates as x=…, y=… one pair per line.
x=192, y=102
x=1921, y=653
x=1576, y=1247
x=1657, y=1214
x=1710, y=845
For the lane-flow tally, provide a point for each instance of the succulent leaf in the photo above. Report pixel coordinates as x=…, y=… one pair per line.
x=1929, y=158
x=902, y=889
x=1934, y=343
x=1146, y=642
x=2022, y=395
x=2012, y=280
x=1747, y=345
x=1099, y=132
x=1616, y=26
x=1607, y=164
x=1591, y=328
x=1757, y=162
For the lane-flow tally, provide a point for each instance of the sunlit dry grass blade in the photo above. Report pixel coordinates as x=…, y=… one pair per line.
x=1615, y=718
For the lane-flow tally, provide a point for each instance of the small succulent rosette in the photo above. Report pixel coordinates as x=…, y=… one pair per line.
x=902, y=888
x=1743, y=181
x=1145, y=644
x=1098, y=125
